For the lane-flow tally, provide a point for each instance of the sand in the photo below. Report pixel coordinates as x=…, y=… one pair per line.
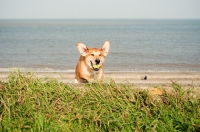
x=135, y=78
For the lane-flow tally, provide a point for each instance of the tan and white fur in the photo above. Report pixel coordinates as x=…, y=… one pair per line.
x=85, y=72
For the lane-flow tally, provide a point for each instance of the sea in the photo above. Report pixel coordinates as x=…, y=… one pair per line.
x=137, y=45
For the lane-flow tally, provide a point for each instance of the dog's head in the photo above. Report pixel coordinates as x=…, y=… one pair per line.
x=94, y=57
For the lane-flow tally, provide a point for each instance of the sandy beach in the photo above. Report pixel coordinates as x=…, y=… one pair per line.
x=136, y=78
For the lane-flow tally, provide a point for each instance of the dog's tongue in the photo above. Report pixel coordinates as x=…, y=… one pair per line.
x=96, y=66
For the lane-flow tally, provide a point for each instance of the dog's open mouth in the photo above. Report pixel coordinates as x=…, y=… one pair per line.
x=95, y=67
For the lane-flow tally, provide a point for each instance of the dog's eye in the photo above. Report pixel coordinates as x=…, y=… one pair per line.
x=92, y=54
x=99, y=54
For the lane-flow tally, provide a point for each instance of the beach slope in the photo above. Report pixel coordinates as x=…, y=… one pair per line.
x=138, y=78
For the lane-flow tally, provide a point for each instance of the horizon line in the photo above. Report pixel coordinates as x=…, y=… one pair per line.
x=99, y=18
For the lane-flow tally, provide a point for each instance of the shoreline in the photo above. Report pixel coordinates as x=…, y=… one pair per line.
x=136, y=78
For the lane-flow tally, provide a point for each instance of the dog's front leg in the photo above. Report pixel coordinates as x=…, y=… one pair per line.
x=87, y=77
x=99, y=75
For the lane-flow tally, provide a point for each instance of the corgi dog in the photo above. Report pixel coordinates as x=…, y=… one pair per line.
x=90, y=66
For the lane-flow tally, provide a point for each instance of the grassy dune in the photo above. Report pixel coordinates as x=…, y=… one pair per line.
x=28, y=103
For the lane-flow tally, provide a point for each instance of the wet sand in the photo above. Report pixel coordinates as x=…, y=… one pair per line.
x=136, y=78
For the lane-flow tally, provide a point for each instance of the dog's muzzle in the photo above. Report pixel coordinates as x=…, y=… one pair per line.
x=97, y=61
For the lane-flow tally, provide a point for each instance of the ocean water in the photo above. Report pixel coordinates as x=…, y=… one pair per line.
x=136, y=44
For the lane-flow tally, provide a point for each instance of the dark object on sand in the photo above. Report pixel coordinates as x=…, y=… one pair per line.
x=143, y=77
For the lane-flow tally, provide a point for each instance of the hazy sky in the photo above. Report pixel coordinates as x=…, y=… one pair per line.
x=25, y=9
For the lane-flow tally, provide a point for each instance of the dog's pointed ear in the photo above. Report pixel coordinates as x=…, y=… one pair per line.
x=105, y=48
x=83, y=49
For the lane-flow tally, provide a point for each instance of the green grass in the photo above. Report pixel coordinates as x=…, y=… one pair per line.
x=28, y=103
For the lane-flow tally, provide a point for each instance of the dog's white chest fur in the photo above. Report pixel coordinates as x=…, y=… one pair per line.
x=93, y=74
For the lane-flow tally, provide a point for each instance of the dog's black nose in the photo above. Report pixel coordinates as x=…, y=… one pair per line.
x=97, y=61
